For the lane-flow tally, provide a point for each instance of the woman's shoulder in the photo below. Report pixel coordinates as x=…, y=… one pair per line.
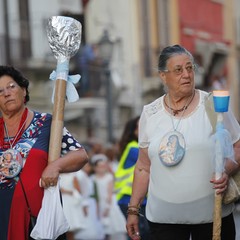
x=154, y=107
x=42, y=116
x=41, y=119
x=133, y=143
x=203, y=94
x=39, y=114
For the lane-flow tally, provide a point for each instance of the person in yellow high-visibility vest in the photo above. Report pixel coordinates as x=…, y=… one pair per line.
x=128, y=149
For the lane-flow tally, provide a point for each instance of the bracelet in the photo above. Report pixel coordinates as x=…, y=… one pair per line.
x=132, y=206
x=133, y=212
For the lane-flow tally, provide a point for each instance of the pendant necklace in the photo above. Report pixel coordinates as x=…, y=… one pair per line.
x=176, y=111
x=11, y=161
x=172, y=146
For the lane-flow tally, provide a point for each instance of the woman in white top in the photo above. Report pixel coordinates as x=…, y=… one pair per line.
x=180, y=190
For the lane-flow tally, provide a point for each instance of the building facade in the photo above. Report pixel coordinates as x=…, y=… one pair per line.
x=136, y=30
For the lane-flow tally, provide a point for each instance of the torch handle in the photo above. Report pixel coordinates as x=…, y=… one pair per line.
x=217, y=217
x=57, y=120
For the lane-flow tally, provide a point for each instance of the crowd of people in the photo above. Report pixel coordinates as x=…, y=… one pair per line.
x=95, y=197
x=162, y=164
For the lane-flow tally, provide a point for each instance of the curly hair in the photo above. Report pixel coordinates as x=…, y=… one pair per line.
x=17, y=76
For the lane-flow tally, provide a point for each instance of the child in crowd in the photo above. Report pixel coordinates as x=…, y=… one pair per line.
x=93, y=227
x=110, y=214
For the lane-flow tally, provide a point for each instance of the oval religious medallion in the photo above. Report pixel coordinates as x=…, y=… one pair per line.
x=11, y=163
x=172, y=148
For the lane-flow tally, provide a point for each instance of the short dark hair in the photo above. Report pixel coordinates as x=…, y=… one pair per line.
x=169, y=52
x=17, y=76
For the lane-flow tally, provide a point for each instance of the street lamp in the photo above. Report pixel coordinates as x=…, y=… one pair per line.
x=105, y=47
x=105, y=52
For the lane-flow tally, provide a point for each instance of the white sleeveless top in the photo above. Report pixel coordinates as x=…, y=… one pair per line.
x=182, y=193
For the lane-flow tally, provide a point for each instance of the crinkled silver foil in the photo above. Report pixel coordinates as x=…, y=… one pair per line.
x=64, y=36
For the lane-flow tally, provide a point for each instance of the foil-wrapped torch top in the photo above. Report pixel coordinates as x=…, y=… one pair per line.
x=64, y=36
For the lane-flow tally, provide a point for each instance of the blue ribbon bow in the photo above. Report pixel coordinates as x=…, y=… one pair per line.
x=71, y=92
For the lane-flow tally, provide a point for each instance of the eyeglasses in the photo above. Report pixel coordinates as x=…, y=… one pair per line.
x=179, y=70
x=11, y=87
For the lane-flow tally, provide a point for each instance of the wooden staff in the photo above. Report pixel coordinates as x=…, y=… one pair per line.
x=57, y=120
x=64, y=35
x=217, y=217
x=221, y=102
x=219, y=163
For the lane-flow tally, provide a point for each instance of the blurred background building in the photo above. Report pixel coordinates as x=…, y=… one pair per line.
x=117, y=60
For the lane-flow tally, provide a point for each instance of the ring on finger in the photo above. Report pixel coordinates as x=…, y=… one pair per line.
x=137, y=234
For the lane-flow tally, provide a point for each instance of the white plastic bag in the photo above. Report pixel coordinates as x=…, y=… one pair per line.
x=51, y=221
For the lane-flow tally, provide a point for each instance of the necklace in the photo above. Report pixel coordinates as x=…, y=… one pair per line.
x=176, y=111
x=10, y=143
x=11, y=160
x=172, y=146
x=183, y=111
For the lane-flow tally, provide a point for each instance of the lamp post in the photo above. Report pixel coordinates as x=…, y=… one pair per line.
x=105, y=51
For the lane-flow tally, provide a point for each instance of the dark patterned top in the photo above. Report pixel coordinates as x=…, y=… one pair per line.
x=33, y=147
